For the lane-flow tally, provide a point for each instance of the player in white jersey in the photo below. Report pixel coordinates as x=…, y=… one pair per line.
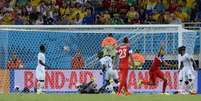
x=108, y=69
x=186, y=71
x=40, y=69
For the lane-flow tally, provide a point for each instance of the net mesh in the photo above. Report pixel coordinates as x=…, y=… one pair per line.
x=84, y=44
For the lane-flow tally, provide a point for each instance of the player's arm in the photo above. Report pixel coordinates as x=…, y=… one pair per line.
x=41, y=62
x=181, y=66
x=194, y=63
x=168, y=65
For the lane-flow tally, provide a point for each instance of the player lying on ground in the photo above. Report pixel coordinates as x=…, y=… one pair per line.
x=40, y=69
x=155, y=72
x=124, y=53
x=108, y=70
x=88, y=88
x=186, y=72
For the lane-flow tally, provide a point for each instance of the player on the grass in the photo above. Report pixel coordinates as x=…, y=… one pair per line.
x=40, y=69
x=155, y=71
x=124, y=53
x=186, y=72
x=108, y=69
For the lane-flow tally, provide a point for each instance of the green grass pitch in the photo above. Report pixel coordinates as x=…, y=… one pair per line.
x=97, y=97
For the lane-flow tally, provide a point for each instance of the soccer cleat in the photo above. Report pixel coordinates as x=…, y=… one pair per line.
x=165, y=93
x=128, y=93
x=139, y=83
x=119, y=94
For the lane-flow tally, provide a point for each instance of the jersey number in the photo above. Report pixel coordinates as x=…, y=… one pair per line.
x=122, y=53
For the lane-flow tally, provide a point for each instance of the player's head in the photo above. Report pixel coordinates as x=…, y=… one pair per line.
x=42, y=48
x=100, y=54
x=161, y=51
x=110, y=35
x=126, y=40
x=182, y=50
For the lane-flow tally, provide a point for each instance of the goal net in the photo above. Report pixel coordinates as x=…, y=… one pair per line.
x=19, y=46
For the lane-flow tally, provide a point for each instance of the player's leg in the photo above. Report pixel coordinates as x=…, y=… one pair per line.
x=152, y=79
x=190, y=83
x=181, y=81
x=107, y=82
x=41, y=79
x=121, y=83
x=160, y=74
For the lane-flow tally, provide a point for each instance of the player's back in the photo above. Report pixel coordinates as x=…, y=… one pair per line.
x=123, y=52
x=106, y=61
x=41, y=56
x=156, y=63
x=186, y=59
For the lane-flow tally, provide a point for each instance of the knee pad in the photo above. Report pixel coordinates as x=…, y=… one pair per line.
x=186, y=82
x=116, y=81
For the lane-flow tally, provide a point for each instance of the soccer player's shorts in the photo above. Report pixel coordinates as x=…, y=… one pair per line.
x=186, y=74
x=155, y=74
x=40, y=74
x=111, y=74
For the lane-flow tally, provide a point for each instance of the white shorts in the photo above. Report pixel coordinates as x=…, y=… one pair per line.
x=111, y=74
x=186, y=74
x=40, y=74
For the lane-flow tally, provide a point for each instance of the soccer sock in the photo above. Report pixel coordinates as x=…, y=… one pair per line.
x=42, y=86
x=126, y=87
x=120, y=87
x=164, y=86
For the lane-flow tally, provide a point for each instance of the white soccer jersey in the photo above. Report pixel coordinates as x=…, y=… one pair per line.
x=41, y=56
x=40, y=69
x=187, y=63
x=106, y=61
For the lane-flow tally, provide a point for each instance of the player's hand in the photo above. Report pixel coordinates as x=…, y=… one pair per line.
x=175, y=66
x=48, y=67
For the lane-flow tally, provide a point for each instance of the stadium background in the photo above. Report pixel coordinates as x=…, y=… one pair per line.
x=47, y=12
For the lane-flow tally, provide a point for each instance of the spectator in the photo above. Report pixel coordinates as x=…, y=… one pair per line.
x=39, y=21
x=106, y=4
x=116, y=20
x=198, y=16
x=181, y=15
x=19, y=20
x=78, y=20
x=174, y=19
x=132, y=14
x=89, y=19
x=150, y=6
x=172, y=6
x=77, y=60
x=136, y=20
x=159, y=6
x=14, y=62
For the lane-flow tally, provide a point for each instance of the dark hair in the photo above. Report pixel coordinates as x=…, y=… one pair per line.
x=110, y=35
x=42, y=47
x=181, y=48
x=125, y=40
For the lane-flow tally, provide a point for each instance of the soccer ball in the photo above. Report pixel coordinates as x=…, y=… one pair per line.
x=66, y=49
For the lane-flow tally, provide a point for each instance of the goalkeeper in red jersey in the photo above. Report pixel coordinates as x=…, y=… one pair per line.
x=155, y=71
x=124, y=53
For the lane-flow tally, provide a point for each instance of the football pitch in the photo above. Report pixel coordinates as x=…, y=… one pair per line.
x=97, y=97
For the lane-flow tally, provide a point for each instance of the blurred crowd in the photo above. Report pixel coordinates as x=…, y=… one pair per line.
x=67, y=12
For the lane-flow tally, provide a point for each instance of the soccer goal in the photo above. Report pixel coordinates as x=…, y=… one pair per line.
x=24, y=42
